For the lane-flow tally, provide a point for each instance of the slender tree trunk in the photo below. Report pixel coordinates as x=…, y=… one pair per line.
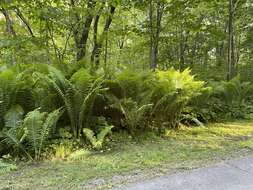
x=155, y=30
x=95, y=39
x=182, y=48
x=75, y=26
x=151, y=28
x=82, y=43
x=25, y=21
x=9, y=24
x=231, y=45
x=98, y=43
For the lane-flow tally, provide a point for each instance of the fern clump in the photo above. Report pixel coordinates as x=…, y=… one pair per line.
x=28, y=135
x=172, y=92
x=77, y=93
x=224, y=100
x=97, y=138
x=136, y=84
x=133, y=113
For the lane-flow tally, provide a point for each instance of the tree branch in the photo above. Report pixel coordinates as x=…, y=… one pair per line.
x=24, y=20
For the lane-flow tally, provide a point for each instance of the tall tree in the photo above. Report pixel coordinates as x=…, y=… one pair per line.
x=231, y=45
x=156, y=11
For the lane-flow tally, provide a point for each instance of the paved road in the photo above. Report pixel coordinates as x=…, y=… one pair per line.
x=231, y=175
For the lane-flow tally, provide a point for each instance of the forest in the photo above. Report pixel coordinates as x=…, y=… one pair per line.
x=85, y=81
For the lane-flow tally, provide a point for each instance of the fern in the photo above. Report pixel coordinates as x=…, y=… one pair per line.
x=79, y=155
x=171, y=95
x=16, y=134
x=48, y=124
x=135, y=84
x=88, y=101
x=13, y=118
x=38, y=126
x=234, y=91
x=133, y=113
x=97, y=140
x=33, y=122
x=78, y=94
x=14, y=138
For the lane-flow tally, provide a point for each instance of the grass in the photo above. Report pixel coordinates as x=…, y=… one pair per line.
x=185, y=148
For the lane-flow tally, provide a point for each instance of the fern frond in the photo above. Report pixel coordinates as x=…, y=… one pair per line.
x=13, y=118
x=103, y=133
x=90, y=135
x=14, y=137
x=49, y=123
x=33, y=122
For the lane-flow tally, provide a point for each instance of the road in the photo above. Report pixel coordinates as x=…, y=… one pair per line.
x=229, y=175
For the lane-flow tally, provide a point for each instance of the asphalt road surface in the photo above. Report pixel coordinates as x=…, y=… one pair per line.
x=230, y=175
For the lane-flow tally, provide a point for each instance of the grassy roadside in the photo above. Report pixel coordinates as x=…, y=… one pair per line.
x=185, y=148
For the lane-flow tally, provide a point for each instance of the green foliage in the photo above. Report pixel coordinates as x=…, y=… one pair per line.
x=13, y=117
x=172, y=92
x=7, y=91
x=38, y=126
x=94, y=60
x=79, y=155
x=230, y=99
x=14, y=139
x=16, y=88
x=136, y=84
x=28, y=136
x=97, y=140
x=235, y=91
x=132, y=100
x=78, y=94
x=60, y=149
x=133, y=114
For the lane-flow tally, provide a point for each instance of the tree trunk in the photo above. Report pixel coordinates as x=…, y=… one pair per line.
x=81, y=45
x=155, y=30
x=152, y=53
x=9, y=24
x=98, y=43
x=25, y=21
x=231, y=45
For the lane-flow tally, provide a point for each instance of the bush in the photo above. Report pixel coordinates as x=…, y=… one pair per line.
x=172, y=92
x=28, y=136
x=15, y=88
x=224, y=100
x=132, y=100
x=77, y=93
x=135, y=84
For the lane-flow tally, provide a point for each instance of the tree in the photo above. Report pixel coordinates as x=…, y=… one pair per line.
x=156, y=11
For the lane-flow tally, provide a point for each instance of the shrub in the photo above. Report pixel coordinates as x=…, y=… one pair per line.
x=133, y=113
x=78, y=94
x=172, y=92
x=136, y=84
x=16, y=88
x=28, y=136
x=97, y=139
x=224, y=100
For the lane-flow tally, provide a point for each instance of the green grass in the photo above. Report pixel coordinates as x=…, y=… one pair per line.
x=185, y=148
